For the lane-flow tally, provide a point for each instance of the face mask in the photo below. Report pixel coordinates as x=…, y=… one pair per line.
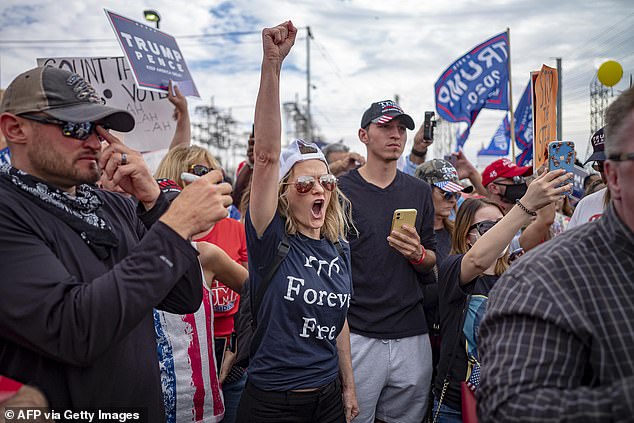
x=514, y=192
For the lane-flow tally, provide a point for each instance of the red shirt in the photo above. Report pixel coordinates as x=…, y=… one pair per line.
x=227, y=234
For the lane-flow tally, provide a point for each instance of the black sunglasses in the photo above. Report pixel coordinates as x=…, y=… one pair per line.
x=449, y=195
x=78, y=130
x=483, y=226
x=304, y=184
x=199, y=170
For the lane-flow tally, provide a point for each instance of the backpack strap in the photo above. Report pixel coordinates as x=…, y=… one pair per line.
x=256, y=300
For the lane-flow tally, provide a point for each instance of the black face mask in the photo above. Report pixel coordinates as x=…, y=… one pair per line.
x=514, y=192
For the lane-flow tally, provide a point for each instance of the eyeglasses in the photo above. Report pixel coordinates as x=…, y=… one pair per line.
x=77, y=130
x=598, y=166
x=449, y=195
x=304, y=184
x=517, y=180
x=198, y=170
x=483, y=226
x=621, y=157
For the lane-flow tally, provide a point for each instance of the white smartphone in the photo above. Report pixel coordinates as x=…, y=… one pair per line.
x=189, y=177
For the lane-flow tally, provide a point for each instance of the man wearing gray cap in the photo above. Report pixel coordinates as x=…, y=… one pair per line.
x=391, y=352
x=81, y=270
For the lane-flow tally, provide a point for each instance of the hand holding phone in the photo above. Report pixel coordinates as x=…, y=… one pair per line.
x=561, y=155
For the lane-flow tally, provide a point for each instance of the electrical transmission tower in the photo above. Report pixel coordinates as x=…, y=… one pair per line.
x=598, y=105
x=215, y=129
x=297, y=124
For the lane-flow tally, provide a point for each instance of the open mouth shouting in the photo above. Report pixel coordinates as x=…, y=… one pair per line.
x=318, y=209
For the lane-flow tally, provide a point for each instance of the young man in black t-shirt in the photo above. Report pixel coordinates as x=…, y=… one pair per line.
x=389, y=335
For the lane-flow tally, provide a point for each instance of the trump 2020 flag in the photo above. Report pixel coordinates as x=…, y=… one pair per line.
x=477, y=80
x=524, y=128
x=499, y=145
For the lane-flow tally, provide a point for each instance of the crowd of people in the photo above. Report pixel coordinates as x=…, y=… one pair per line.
x=291, y=296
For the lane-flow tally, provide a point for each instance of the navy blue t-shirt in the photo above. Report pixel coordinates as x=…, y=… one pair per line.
x=302, y=311
x=443, y=245
x=388, y=297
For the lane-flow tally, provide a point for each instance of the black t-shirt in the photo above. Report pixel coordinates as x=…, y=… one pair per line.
x=388, y=297
x=452, y=298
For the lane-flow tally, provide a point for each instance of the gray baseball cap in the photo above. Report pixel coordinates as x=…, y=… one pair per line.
x=63, y=95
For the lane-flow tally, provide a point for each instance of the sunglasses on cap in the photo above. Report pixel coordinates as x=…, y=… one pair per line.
x=449, y=195
x=198, y=170
x=78, y=130
x=517, y=180
x=304, y=184
x=484, y=226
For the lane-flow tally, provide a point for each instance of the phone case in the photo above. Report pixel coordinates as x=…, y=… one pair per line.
x=561, y=155
x=403, y=216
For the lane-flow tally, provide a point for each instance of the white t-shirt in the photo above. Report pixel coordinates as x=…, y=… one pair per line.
x=589, y=208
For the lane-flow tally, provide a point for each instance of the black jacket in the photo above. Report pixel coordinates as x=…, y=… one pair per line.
x=81, y=328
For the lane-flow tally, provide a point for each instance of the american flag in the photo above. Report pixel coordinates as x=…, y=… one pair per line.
x=449, y=186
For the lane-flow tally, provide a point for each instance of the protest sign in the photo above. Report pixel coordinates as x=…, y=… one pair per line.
x=544, y=113
x=154, y=56
x=112, y=78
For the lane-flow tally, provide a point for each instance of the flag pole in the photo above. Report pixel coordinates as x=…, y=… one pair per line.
x=512, y=119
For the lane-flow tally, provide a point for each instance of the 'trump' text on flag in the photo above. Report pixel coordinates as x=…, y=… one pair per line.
x=477, y=80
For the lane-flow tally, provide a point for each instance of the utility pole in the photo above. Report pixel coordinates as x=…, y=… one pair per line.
x=309, y=117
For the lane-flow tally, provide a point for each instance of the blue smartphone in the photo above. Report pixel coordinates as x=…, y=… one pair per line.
x=561, y=155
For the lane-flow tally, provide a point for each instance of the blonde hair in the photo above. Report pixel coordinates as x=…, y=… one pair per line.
x=180, y=158
x=338, y=218
x=464, y=219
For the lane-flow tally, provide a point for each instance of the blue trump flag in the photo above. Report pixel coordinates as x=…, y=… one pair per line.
x=477, y=80
x=153, y=55
x=524, y=127
x=500, y=143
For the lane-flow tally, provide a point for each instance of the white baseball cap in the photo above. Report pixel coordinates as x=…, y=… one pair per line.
x=299, y=151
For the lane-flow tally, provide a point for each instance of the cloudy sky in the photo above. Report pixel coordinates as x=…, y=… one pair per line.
x=363, y=51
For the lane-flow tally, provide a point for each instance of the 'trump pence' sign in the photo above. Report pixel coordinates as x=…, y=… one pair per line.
x=112, y=78
x=153, y=54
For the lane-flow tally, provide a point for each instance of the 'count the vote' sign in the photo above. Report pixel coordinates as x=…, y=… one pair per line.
x=154, y=56
x=112, y=78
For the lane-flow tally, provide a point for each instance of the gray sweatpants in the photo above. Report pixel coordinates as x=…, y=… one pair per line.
x=392, y=378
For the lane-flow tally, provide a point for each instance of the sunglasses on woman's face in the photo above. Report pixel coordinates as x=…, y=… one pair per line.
x=198, y=170
x=484, y=226
x=449, y=195
x=304, y=184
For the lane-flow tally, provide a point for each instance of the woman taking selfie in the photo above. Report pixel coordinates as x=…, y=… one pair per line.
x=478, y=257
x=300, y=368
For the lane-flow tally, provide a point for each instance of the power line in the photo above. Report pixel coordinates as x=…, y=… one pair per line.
x=101, y=40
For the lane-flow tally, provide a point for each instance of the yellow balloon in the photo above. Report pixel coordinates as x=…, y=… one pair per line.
x=610, y=73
